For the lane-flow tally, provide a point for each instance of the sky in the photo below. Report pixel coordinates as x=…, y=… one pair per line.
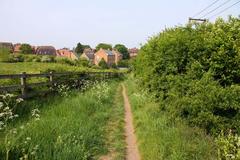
x=64, y=23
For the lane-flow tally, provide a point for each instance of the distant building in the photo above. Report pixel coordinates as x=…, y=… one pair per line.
x=65, y=52
x=7, y=45
x=46, y=50
x=17, y=48
x=133, y=52
x=88, y=54
x=110, y=57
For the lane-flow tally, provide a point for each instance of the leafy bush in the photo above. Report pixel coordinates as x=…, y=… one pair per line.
x=83, y=62
x=103, y=64
x=194, y=71
x=47, y=58
x=32, y=58
x=64, y=60
x=123, y=63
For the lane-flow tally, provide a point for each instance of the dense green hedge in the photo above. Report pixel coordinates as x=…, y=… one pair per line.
x=194, y=71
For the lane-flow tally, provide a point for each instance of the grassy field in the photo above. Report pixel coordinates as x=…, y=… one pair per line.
x=160, y=138
x=79, y=126
x=36, y=67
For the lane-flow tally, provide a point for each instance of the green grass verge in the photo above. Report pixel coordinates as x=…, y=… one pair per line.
x=160, y=138
x=74, y=127
x=36, y=67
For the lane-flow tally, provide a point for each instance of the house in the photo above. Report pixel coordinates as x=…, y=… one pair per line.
x=133, y=52
x=88, y=54
x=65, y=52
x=110, y=57
x=7, y=45
x=46, y=50
x=17, y=48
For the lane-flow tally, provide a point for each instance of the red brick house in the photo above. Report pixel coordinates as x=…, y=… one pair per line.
x=46, y=50
x=65, y=52
x=110, y=57
x=133, y=52
x=17, y=48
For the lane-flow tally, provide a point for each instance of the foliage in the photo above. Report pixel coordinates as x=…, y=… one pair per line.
x=103, y=64
x=4, y=54
x=32, y=58
x=80, y=48
x=26, y=49
x=64, y=60
x=123, y=63
x=194, y=71
x=83, y=62
x=160, y=137
x=47, y=58
x=228, y=146
x=123, y=50
x=103, y=46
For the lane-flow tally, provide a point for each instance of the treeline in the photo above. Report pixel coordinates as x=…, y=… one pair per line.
x=194, y=72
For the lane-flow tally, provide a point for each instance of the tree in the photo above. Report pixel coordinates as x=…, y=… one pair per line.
x=103, y=64
x=122, y=49
x=104, y=46
x=80, y=48
x=26, y=49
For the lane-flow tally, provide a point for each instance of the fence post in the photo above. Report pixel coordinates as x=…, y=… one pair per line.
x=23, y=84
x=51, y=78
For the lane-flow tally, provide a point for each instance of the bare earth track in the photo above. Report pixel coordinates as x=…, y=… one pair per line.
x=132, y=152
x=131, y=140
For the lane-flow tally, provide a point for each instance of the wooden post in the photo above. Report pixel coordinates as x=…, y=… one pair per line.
x=23, y=85
x=51, y=78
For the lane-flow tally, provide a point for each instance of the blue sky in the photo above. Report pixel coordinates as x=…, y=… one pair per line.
x=63, y=23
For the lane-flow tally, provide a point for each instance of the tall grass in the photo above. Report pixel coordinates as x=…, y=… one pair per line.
x=73, y=127
x=161, y=138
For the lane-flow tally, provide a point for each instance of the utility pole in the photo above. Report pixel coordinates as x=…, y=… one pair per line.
x=197, y=19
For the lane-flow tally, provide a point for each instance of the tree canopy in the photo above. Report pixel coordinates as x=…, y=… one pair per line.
x=80, y=48
x=122, y=49
x=26, y=49
x=103, y=46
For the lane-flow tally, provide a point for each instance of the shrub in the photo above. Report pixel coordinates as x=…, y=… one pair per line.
x=31, y=58
x=103, y=64
x=193, y=70
x=123, y=63
x=83, y=62
x=47, y=58
x=64, y=60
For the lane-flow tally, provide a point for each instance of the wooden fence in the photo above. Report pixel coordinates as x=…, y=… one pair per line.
x=52, y=78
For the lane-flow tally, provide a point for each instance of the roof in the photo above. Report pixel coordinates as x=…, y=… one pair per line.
x=90, y=55
x=47, y=50
x=6, y=44
x=108, y=52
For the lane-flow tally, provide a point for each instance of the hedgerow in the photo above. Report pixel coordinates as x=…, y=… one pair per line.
x=194, y=71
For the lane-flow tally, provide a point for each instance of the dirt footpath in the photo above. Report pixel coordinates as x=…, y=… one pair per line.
x=132, y=152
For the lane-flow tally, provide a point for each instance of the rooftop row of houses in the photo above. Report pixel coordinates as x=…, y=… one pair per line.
x=109, y=56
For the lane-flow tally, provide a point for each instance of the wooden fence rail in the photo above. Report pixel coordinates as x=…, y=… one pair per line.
x=52, y=78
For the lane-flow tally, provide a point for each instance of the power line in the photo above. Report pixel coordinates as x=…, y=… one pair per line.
x=206, y=8
x=224, y=9
x=216, y=8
